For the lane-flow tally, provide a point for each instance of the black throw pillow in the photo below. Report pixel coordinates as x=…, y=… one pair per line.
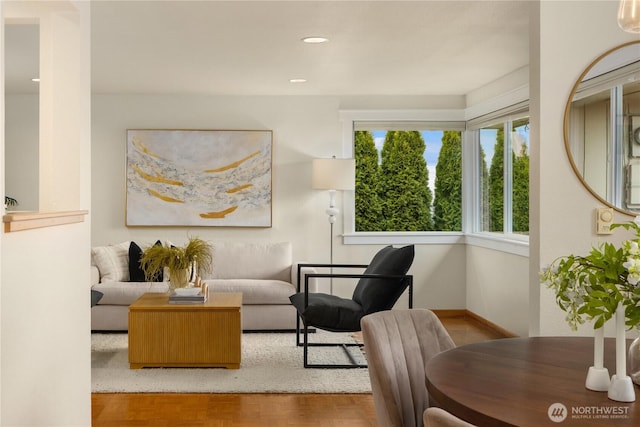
x=381, y=294
x=135, y=269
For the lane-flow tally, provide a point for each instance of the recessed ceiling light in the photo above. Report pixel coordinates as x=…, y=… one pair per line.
x=35, y=79
x=315, y=39
x=297, y=80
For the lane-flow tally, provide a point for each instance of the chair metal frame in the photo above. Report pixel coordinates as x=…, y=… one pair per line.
x=305, y=330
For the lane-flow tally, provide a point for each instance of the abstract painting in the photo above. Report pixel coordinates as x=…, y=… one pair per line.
x=199, y=178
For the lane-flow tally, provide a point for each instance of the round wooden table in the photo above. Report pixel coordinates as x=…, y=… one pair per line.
x=520, y=381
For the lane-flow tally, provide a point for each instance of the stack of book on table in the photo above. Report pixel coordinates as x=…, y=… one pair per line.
x=188, y=296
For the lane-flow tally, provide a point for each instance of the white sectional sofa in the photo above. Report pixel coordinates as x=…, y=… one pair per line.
x=263, y=272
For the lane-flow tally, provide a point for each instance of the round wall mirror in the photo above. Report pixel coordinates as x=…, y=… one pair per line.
x=602, y=128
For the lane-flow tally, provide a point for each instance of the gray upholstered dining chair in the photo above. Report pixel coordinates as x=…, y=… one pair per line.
x=436, y=417
x=398, y=344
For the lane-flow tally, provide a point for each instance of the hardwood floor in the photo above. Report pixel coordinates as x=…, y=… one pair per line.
x=245, y=410
x=249, y=410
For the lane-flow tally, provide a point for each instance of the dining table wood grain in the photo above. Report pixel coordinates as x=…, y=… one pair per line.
x=515, y=382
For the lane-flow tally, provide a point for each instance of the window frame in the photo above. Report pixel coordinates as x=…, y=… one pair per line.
x=506, y=116
x=510, y=243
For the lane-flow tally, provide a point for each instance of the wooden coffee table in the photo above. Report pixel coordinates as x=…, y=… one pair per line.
x=185, y=335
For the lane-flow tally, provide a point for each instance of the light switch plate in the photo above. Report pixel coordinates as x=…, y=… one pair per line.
x=604, y=219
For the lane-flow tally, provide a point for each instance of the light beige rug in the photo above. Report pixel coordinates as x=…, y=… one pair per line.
x=271, y=363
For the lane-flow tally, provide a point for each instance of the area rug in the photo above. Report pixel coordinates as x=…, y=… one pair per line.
x=271, y=363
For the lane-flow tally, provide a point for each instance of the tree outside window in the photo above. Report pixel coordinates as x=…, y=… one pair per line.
x=408, y=180
x=493, y=175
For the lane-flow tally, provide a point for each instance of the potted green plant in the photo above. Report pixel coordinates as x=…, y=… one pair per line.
x=182, y=263
x=591, y=287
x=10, y=202
x=595, y=287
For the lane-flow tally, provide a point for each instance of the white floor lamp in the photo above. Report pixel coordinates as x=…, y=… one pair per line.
x=333, y=174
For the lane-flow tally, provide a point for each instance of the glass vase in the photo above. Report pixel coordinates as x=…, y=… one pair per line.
x=634, y=361
x=178, y=278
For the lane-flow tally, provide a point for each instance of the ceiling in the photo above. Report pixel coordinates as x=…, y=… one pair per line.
x=254, y=47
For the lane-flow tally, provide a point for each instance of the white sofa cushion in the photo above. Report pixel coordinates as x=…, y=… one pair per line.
x=125, y=293
x=255, y=291
x=112, y=261
x=251, y=261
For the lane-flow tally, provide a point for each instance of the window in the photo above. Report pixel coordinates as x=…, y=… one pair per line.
x=422, y=177
x=408, y=176
x=504, y=180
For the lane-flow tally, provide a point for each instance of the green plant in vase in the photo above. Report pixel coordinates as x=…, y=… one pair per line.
x=596, y=287
x=182, y=263
x=591, y=287
x=10, y=202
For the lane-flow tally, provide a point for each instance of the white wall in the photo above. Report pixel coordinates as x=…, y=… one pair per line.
x=497, y=282
x=45, y=363
x=497, y=288
x=302, y=128
x=21, y=150
x=572, y=34
x=505, y=85
x=45, y=347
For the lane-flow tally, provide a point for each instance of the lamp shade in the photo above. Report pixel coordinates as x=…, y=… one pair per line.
x=333, y=174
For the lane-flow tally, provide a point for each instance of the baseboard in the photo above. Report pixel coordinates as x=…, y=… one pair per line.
x=451, y=313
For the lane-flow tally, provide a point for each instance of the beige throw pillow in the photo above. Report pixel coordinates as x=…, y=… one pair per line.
x=112, y=261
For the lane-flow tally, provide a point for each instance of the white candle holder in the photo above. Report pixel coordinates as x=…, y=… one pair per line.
x=598, y=378
x=621, y=388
